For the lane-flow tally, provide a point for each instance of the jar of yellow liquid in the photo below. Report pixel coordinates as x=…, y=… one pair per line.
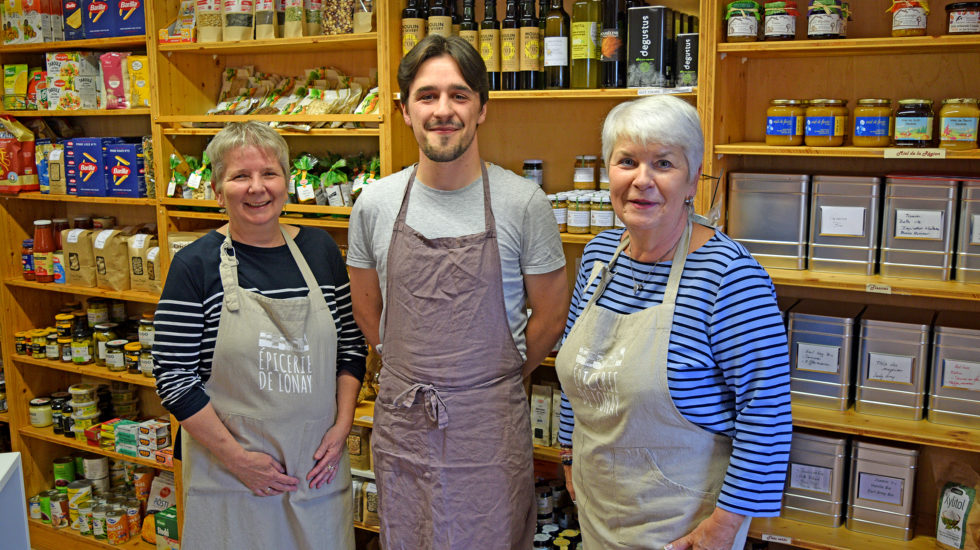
x=958, y=123
x=826, y=123
x=872, y=123
x=785, y=122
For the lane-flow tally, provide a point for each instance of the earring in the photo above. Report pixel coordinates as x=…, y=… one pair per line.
x=689, y=201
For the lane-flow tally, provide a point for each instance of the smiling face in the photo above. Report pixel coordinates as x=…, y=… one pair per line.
x=442, y=110
x=648, y=185
x=254, y=188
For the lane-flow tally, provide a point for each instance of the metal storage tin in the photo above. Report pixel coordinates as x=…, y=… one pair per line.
x=785, y=304
x=894, y=351
x=767, y=213
x=968, y=251
x=954, y=395
x=881, y=490
x=822, y=342
x=917, y=239
x=844, y=224
x=815, y=479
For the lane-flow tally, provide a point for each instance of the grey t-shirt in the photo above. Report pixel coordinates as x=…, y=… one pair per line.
x=527, y=235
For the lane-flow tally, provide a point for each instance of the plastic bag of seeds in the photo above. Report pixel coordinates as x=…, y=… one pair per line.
x=295, y=19
x=265, y=19
x=337, y=17
x=237, y=20
x=208, y=16
x=312, y=10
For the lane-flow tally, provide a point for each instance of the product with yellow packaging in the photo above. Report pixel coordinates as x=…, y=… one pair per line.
x=826, y=122
x=958, y=123
x=872, y=123
x=15, y=87
x=785, y=122
x=139, y=80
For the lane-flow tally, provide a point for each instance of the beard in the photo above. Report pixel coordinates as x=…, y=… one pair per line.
x=445, y=153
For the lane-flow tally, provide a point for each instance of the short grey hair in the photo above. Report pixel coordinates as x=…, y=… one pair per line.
x=662, y=119
x=237, y=135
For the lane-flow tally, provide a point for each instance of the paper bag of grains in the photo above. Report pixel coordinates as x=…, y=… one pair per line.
x=359, y=447
x=958, y=514
x=237, y=20
x=295, y=19
x=265, y=19
x=79, y=257
x=179, y=239
x=154, y=271
x=208, y=17
x=139, y=245
x=111, y=259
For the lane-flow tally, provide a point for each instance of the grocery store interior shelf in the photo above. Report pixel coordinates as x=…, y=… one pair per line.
x=38, y=196
x=909, y=45
x=366, y=527
x=46, y=536
x=299, y=119
x=817, y=537
x=89, y=370
x=127, y=295
x=47, y=434
x=137, y=42
x=315, y=132
x=577, y=238
x=344, y=42
x=876, y=284
x=760, y=148
x=4, y=417
x=135, y=111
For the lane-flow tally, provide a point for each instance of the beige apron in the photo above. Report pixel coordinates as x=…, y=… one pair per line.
x=452, y=436
x=643, y=474
x=273, y=385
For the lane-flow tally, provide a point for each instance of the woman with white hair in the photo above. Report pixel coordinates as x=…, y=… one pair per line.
x=675, y=418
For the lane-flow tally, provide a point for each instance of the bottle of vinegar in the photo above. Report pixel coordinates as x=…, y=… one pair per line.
x=586, y=19
x=557, y=42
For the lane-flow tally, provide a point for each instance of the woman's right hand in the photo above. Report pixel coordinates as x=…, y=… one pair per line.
x=568, y=480
x=262, y=474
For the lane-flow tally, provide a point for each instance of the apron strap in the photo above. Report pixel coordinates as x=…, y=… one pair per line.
x=604, y=271
x=228, y=268
x=435, y=407
x=487, y=210
x=315, y=292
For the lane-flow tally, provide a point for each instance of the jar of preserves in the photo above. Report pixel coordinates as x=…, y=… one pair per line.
x=82, y=347
x=43, y=251
x=39, y=341
x=826, y=123
x=909, y=17
x=534, y=170
x=27, y=259
x=601, y=216
x=104, y=332
x=63, y=324
x=785, y=122
x=40, y=412
x=64, y=346
x=82, y=222
x=603, y=176
x=117, y=311
x=146, y=330
x=51, y=350
x=780, y=22
x=963, y=18
x=22, y=342
x=98, y=311
x=913, y=123
x=872, y=123
x=115, y=360
x=131, y=354
x=958, y=123
x=742, y=21
x=579, y=214
x=58, y=225
x=146, y=362
x=559, y=206
x=825, y=19
x=584, y=175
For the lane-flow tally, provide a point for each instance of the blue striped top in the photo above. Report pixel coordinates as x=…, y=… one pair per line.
x=727, y=362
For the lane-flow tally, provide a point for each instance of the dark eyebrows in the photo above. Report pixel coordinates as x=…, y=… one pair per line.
x=453, y=87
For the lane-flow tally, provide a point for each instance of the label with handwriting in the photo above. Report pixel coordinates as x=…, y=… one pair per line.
x=777, y=539
x=919, y=224
x=810, y=478
x=878, y=288
x=842, y=220
x=890, y=368
x=913, y=153
x=961, y=374
x=881, y=488
x=817, y=358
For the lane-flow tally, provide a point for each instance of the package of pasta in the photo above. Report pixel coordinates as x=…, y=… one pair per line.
x=115, y=80
x=237, y=20
x=110, y=247
x=265, y=19
x=295, y=22
x=18, y=171
x=208, y=16
x=138, y=72
x=139, y=246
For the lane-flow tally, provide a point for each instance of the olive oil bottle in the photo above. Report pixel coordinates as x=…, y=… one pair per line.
x=586, y=20
x=612, y=45
x=542, y=19
x=530, y=42
x=468, y=28
x=510, y=61
x=557, y=42
x=490, y=43
x=440, y=20
x=413, y=26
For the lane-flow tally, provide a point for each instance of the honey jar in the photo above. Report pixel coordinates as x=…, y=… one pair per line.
x=958, y=123
x=872, y=123
x=826, y=123
x=785, y=120
x=909, y=17
x=913, y=123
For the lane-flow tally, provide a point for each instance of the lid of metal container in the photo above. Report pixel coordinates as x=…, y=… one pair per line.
x=846, y=179
x=892, y=447
x=824, y=308
x=958, y=319
x=803, y=434
x=920, y=180
x=904, y=315
x=758, y=176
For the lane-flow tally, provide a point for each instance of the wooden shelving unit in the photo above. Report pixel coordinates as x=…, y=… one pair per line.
x=135, y=111
x=5, y=417
x=366, y=527
x=46, y=434
x=46, y=536
x=815, y=537
x=305, y=45
x=118, y=42
x=125, y=295
x=37, y=196
x=886, y=45
x=761, y=149
x=953, y=290
x=88, y=370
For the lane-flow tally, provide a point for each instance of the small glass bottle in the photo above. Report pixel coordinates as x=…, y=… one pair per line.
x=742, y=19
x=913, y=123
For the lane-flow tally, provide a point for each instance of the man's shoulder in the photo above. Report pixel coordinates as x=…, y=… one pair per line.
x=511, y=187
x=383, y=192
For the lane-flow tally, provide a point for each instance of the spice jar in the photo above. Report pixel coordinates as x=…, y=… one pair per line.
x=913, y=123
x=584, y=175
x=534, y=171
x=601, y=215
x=780, y=22
x=146, y=362
x=82, y=348
x=785, y=122
x=826, y=123
x=909, y=17
x=559, y=206
x=104, y=332
x=579, y=214
x=40, y=412
x=98, y=311
x=27, y=259
x=743, y=21
x=824, y=19
x=963, y=18
x=62, y=323
x=22, y=342
x=958, y=123
x=39, y=341
x=146, y=330
x=872, y=123
x=115, y=360
x=51, y=350
x=131, y=353
x=64, y=347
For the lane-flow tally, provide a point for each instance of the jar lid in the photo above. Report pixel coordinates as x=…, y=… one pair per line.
x=59, y=220
x=959, y=100
x=64, y=340
x=42, y=222
x=533, y=161
x=827, y=102
x=63, y=395
x=589, y=157
x=38, y=332
x=874, y=101
x=106, y=326
x=63, y=317
x=133, y=346
x=52, y=336
x=81, y=389
x=22, y=333
x=28, y=242
x=148, y=316
x=116, y=343
x=785, y=102
x=78, y=313
x=551, y=197
x=40, y=402
x=915, y=102
x=962, y=5
x=95, y=301
x=606, y=199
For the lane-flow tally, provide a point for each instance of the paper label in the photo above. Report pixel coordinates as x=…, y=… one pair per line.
x=509, y=44
x=101, y=238
x=817, y=358
x=823, y=23
x=958, y=128
x=743, y=26
x=961, y=375
x=878, y=288
x=579, y=218
x=975, y=229
x=194, y=180
x=171, y=187
x=55, y=156
x=965, y=21
x=880, y=488
x=583, y=175
x=413, y=30
x=490, y=49
x=810, y=478
x=138, y=240
x=530, y=42
x=73, y=235
x=780, y=25
x=872, y=126
x=611, y=44
x=585, y=38
x=153, y=253
x=601, y=218
x=472, y=38
x=919, y=224
x=825, y=126
x=954, y=508
x=781, y=126
x=556, y=51
x=304, y=192
x=777, y=539
x=909, y=18
x=842, y=220
x=890, y=368
x=917, y=128
x=914, y=153
x=561, y=215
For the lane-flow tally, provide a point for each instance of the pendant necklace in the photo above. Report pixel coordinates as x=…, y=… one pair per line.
x=639, y=285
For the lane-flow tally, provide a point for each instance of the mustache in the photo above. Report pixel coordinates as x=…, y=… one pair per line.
x=456, y=125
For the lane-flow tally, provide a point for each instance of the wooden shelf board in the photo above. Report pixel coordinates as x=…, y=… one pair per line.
x=45, y=536
x=4, y=417
x=88, y=370
x=817, y=537
x=854, y=46
x=125, y=295
x=38, y=196
x=136, y=111
x=759, y=148
x=366, y=527
x=88, y=44
x=308, y=222
x=548, y=361
x=315, y=132
x=576, y=238
x=47, y=434
x=345, y=42
x=547, y=454
x=921, y=432
x=597, y=94
x=877, y=284
x=180, y=119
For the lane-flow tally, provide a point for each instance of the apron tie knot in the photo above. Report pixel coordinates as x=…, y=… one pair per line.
x=435, y=407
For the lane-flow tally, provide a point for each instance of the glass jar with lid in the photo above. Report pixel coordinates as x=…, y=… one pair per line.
x=601, y=216
x=963, y=18
x=115, y=360
x=97, y=310
x=603, y=176
x=64, y=345
x=958, y=123
x=825, y=19
x=39, y=342
x=742, y=21
x=63, y=324
x=559, y=206
x=872, y=123
x=909, y=17
x=131, y=355
x=913, y=123
x=51, y=350
x=82, y=346
x=146, y=362
x=785, y=122
x=534, y=170
x=584, y=175
x=579, y=213
x=40, y=412
x=104, y=332
x=826, y=123
x=146, y=330
x=780, y=22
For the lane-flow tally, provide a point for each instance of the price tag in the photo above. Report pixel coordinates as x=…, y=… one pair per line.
x=878, y=288
x=910, y=153
x=171, y=187
x=194, y=181
x=881, y=488
x=975, y=229
x=919, y=224
x=777, y=539
x=961, y=374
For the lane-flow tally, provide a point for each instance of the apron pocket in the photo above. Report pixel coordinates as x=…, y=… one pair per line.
x=301, y=461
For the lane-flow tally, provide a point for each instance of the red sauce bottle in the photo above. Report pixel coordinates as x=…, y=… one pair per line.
x=43, y=251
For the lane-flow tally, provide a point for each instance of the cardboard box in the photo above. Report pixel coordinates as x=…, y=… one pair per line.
x=686, y=62
x=154, y=428
x=555, y=415
x=649, y=55
x=168, y=537
x=130, y=17
x=153, y=443
x=85, y=167
x=72, y=20
x=126, y=172
x=541, y=415
x=165, y=456
x=98, y=20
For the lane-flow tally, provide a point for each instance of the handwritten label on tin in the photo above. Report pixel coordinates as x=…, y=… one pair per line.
x=919, y=224
x=817, y=358
x=810, y=478
x=881, y=488
x=910, y=153
x=975, y=229
x=878, y=288
x=961, y=374
x=890, y=368
x=777, y=539
x=842, y=220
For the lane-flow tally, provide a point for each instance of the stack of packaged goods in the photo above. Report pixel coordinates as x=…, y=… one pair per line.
x=38, y=21
x=153, y=441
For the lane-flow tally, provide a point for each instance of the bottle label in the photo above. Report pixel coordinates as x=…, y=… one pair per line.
x=823, y=23
x=490, y=49
x=556, y=51
x=561, y=215
x=958, y=128
x=781, y=126
x=441, y=25
x=27, y=261
x=612, y=45
x=780, y=25
x=530, y=44
x=43, y=264
x=743, y=26
x=579, y=218
x=602, y=218
x=413, y=30
x=820, y=126
x=916, y=128
x=509, y=42
x=909, y=18
x=872, y=126
x=964, y=22
x=585, y=36
x=582, y=175
x=472, y=38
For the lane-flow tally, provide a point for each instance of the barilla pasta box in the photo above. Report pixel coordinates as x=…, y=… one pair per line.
x=85, y=167
x=165, y=522
x=126, y=171
x=130, y=18
x=71, y=14
x=98, y=19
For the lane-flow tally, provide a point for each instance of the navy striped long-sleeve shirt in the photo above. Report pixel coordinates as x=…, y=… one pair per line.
x=727, y=361
x=189, y=309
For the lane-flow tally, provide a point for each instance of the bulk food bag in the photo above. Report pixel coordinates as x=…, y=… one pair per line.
x=154, y=270
x=295, y=19
x=958, y=513
x=139, y=246
x=237, y=20
x=111, y=259
x=265, y=20
x=17, y=169
x=79, y=257
x=208, y=16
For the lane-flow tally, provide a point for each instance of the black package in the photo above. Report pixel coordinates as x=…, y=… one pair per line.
x=686, y=64
x=650, y=56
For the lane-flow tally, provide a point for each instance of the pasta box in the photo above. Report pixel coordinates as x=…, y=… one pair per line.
x=130, y=18
x=71, y=13
x=85, y=167
x=98, y=19
x=124, y=162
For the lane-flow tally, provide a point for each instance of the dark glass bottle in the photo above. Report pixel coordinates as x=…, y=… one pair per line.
x=612, y=48
x=542, y=19
x=510, y=61
x=490, y=44
x=530, y=41
x=454, y=14
x=469, y=30
x=557, y=43
x=440, y=20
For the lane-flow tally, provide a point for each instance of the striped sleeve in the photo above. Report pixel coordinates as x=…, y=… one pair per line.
x=351, y=349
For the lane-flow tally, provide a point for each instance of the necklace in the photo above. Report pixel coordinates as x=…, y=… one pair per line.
x=639, y=285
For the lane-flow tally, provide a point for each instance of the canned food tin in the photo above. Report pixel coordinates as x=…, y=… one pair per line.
x=59, y=511
x=116, y=527
x=96, y=466
x=79, y=492
x=85, y=519
x=64, y=473
x=45, y=500
x=34, y=506
x=98, y=522
x=133, y=516
x=101, y=485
